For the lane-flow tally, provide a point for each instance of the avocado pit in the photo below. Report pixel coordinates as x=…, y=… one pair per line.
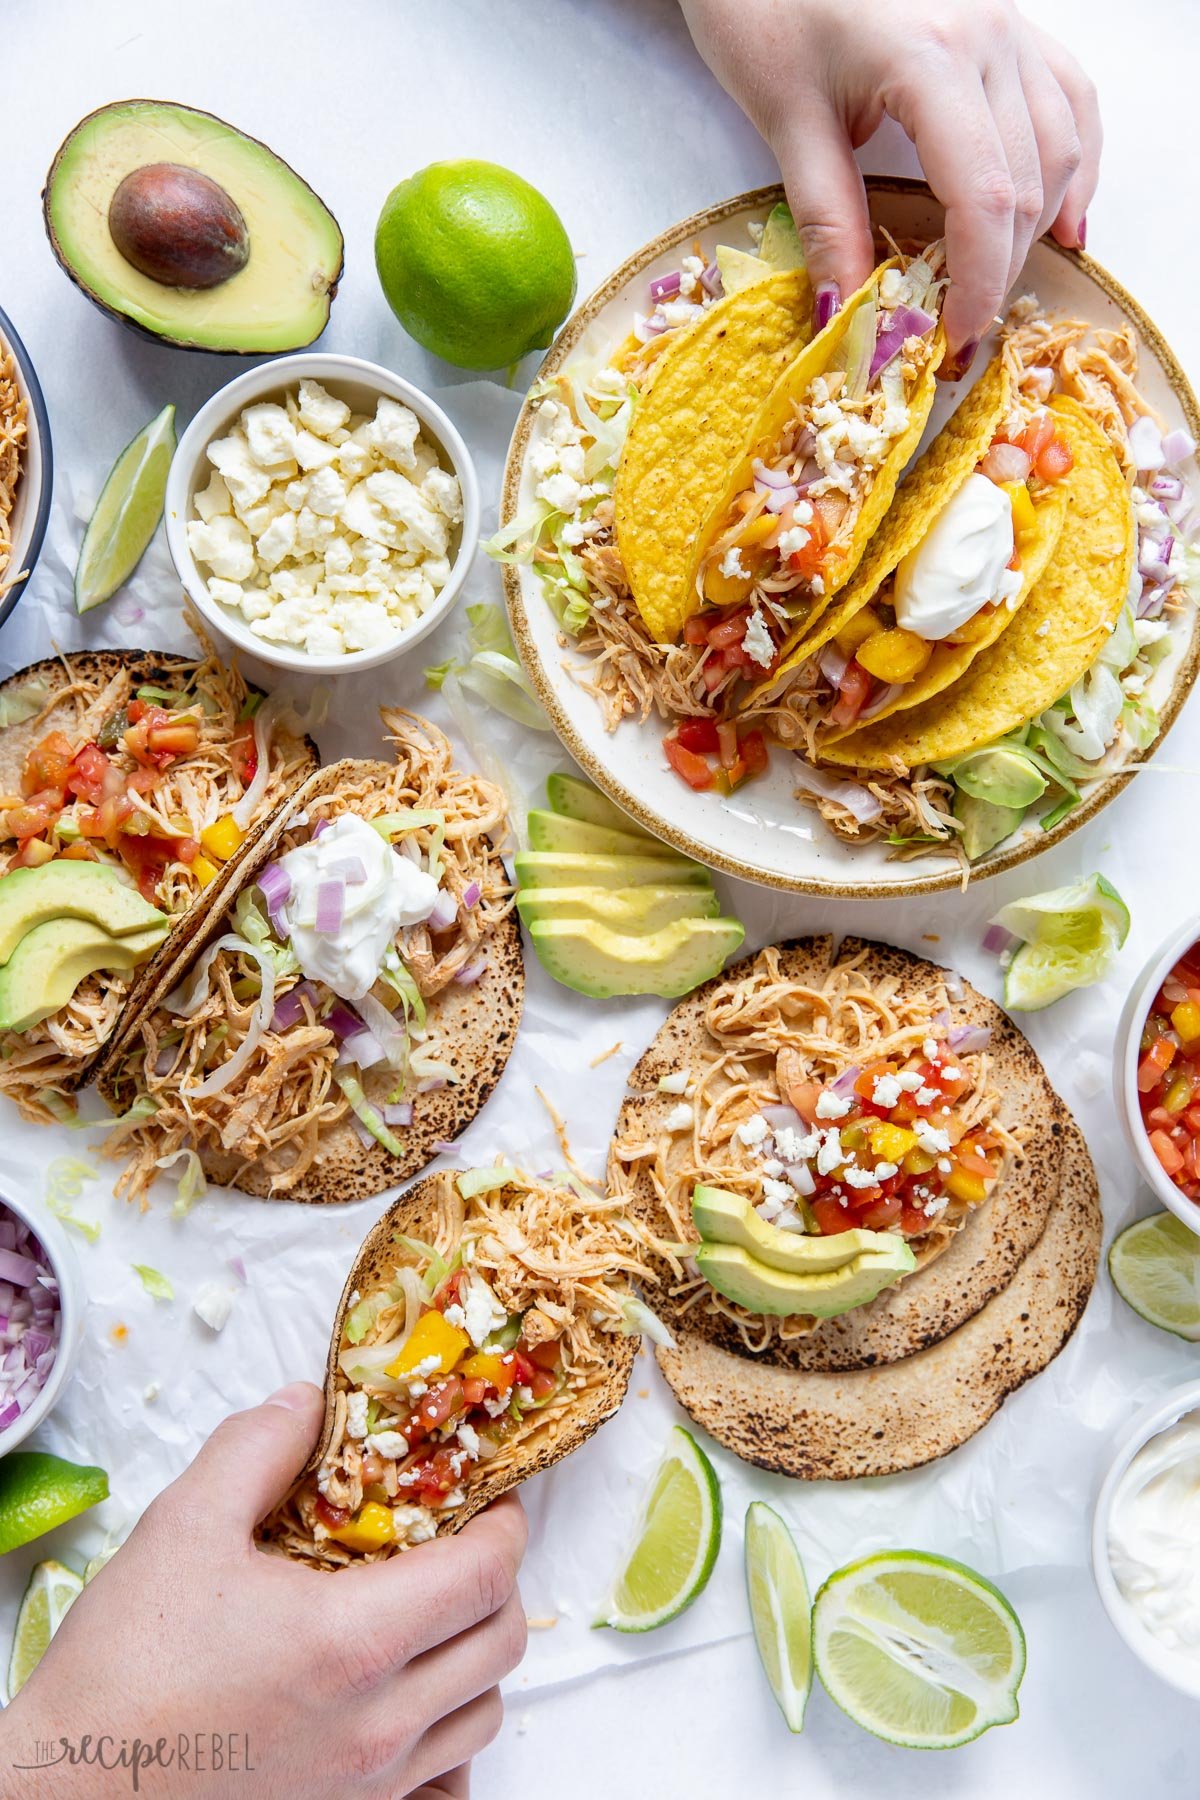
x=178, y=226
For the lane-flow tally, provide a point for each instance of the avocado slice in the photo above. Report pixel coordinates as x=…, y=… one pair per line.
x=632, y=910
x=984, y=824
x=550, y=831
x=725, y=1218
x=274, y=297
x=71, y=890
x=51, y=960
x=576, y=798
x=733, y=1272
x=1000, y=773
x=780, y=243
x=568, y=868
x=740, y=268
x=594, y=960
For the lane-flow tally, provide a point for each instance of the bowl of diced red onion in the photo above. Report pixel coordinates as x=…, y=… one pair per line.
x=41, y=1315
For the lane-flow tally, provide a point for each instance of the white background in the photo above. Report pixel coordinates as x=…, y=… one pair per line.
x=603, y=104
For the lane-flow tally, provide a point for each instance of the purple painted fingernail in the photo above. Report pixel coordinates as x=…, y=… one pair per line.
x=1083, y=232
x=956, y=366
x=828, y=301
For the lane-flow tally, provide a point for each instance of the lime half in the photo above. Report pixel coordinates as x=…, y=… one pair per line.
x=918, y=1649
x=39, y=1491
x=52, y=1590
x=1070, y=935
x=127, y=513
x=1155, y=1266
x=780, y=1610
x=676, y=1542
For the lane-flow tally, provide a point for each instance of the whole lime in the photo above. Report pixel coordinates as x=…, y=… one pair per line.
x=39, y=1491
x=475, y=263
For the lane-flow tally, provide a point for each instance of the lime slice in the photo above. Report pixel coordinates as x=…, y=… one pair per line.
x=780, y=1610
x=675, y=1544
x=102, y=1557
x=39, y=1491
x=1155, y=1266
x=918, y=1649
x=127, y=513
x=52, y=1590
x=1071, y=938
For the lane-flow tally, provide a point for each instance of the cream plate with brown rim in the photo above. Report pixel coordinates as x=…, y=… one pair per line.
x=761, y=832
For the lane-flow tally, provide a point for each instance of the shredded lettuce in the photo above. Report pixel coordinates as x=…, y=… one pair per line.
x=367, y=1115
x=192, y=1184
x=154, y=1281
x=438, y=1268
x=401, y=981
x=251, y=922
x=485, y=1181
x=361, y=1317
x=24, y=701
x=65, y=1178
x=636, y=1317
x=491, y=671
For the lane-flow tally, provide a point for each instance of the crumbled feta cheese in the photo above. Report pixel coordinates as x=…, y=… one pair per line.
x=413, y=1524
x=732, y=566
x=270, y=434
x=675, y=1083
x=752, y=1131
x=831, y=1105
x=389, y=1444
x=356, y=1414
x=680, y=1117
x=830, y=1154
x=781, y=1192
x=792, y=540
x=926, y=1096
x=930, y=1048
x=756, y=640
x=454, y=1315
x=483, y=1313
x=794, y=1148
x=908, y=1081
x=468, y=1437
x=859, y=1178
x=319, y=410
x=933, y=1141
x=886, y=1090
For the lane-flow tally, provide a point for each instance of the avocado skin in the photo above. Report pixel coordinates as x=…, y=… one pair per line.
x=725, y=1218
x=70, y=890
x=51, y=960
x=555, y=832
x=114, y=312
x=733, y=1272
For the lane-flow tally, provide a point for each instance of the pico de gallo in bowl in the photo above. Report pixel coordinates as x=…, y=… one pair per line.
x=1158, y=1073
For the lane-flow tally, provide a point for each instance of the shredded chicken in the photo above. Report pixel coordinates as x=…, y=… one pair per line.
x=13, y=428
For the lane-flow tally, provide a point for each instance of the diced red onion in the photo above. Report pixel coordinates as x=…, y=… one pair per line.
x=350, y=869
x=770, y=478
x=276, y=886
x=907, y=322
x=968, y=1040
x=954, y=988
x=996, y=939
x=826, y=305
x=165, y=1060
x=397, y=1112
x=239, y=1269
x=392, y=1038
x=8, y=1236
x=446, y=1147
x=784, y=1118
x=1166, y=487
x=778, y=498
x=31, y=1318
x=289, y=1008
x=331, y=907
x=801, y=1178
x=1154, y=558
x=363, y=1048
x=342, y=1022
x=833, y=663
x=710, y=281
x=1153, y=600
x=1177, y=446
x=890, y=691
x=1146, y=443
x=664, y=287
x=846, y=1080
x=858, y=801
x=320, y=826
x=471, y=972
x=644, y=329
x=431, y=1084
x=471, y=894
x=22, y=1271
x=810, y=472
x=444, y=911
x=1005, y=462
x=8, y=1414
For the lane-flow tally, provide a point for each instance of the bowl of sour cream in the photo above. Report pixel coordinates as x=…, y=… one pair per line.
x=1146, y=1539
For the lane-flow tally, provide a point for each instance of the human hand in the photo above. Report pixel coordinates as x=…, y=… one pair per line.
x=1004, y=121
x=369, y=1682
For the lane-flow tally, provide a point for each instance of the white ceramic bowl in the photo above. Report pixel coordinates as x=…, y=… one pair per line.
x=360, y=384
x=1127, y=1055
x=73, y=1299
x=1182, y=1672
x=31, y=513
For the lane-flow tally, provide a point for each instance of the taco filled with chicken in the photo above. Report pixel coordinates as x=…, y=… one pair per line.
x=350, y=1005
x=132, y=786
x=486, y=1330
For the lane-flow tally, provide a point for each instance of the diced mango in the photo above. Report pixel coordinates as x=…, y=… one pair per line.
x=758, y=530
x=963, y=1185
x=1024, y=512
x=892, y=1142
x=487, y=1366
x=222, y=837
x=919, y=1162
x=432, y=1335
x=857, y=630
x=725, y=590
x=1186, y=1019
x=369, y=1529
x=896, y=655
x=203, y=870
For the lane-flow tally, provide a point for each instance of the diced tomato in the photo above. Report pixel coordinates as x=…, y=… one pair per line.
x=441, y=1402
x=694, y=770
x=696, y=630
x=89, y=775
x=33, y=853
x=47, y=764
x=729, y=630
x=1055, y=461
x=881, y=1213
x=972, y=1160
x=831, y=1215
x=136, y=711
x=332, y=1517
x=523, y=1367
x=804, y=1096
x=178, y=737
x=1037, y=435
x=809, y=559
x=436, y=1475
x=1159, y=1057
x=547, y=1355
x=146, y=857
x=543, y=1384
x=79, y=853
x=913, y=1222
x=450, y=1292
x=753, y=748
x=853, y=692
x=1167, y=1152
x=35, y=817
x=474, y=1391
x=699, y=735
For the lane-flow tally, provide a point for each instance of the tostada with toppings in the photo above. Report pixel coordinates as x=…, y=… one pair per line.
x=132, y=783
x=352, y=1002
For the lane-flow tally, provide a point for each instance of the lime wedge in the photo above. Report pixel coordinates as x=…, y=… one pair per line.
x=102, y=1557
x=52, y=1590
x=675, y=1543
x=127, y=513
x=780, y=1610
x=918, y=1649
x=39, y=1491
x=1155, y=1266
x=1070, y=935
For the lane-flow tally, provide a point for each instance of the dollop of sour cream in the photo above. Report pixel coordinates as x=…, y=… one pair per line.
x=960, y=564
x=1154, y=1536
x=395, y=893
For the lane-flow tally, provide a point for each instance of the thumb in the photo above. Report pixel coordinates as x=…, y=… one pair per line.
x=253, y=1457
x=829, y=204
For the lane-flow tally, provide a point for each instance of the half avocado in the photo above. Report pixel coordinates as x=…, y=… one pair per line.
x=780, y=1293
x=190, y=232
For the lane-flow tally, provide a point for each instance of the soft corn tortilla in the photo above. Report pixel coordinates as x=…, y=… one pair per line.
x=145, y=668
x=959, y=1270
x=415, y=1215
x=837, y=1427
x=477, y=1022
x=691, y=423
x=1054, y=638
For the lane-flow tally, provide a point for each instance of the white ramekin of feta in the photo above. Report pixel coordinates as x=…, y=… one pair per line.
x=322, y=513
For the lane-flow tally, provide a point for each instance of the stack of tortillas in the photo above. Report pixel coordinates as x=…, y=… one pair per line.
x=919, y=1370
